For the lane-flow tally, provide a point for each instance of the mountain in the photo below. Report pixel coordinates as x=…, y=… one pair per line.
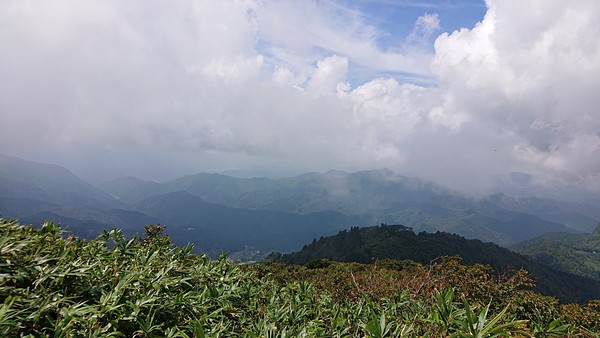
x=217, y=228
x=369, y=244
x=356, y=193
x=574, y=253
x=28, y=188
x=575, y=215
x=35, y=192
x=376, y=195
x=524, y=185
x=471, y=218
x=89, y=223
x=121, y=186
x=21, y=179
x=31, y=191
x=214, y=188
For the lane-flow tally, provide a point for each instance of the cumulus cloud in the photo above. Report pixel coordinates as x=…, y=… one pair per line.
x=230, y=84
x=526, y=73
x=329, y=76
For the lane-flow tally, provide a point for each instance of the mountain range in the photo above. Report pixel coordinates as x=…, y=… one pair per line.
x=224, y=213
x=36, y=192
x=378, y=196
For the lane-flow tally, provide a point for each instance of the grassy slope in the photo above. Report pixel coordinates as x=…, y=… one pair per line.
x=111, y=286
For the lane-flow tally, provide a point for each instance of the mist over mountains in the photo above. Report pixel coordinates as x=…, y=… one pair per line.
x=225, y=213
x=444, y=153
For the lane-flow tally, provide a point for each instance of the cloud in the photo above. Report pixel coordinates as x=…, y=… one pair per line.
x=329, y=77
x=424, y=29
x=296, y=34
x=230, y=84
x=529, y=78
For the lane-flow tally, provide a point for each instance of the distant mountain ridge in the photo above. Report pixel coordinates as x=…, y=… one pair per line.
x=31, y=191
x=369, y=244
x=579, y=216
x=373, y=189
x=377, y=196
x=49, y=183
x=36, y=192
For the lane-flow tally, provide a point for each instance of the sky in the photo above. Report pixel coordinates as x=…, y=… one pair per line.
x=461, y=92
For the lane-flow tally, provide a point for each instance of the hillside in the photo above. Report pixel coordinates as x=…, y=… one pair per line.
x=574, y=253
x=121, y=186
x=367, y=245
x=115, y=286
x=33, y=183
x=35, y=192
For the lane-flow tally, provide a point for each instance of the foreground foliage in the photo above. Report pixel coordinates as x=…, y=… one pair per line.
x=118, y=287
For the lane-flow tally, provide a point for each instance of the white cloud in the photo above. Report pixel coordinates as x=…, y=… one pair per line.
x=226, y=83
x=527, y=71
x=295, y=34
x=425, y=28
x=236, y=70
x=329, y=75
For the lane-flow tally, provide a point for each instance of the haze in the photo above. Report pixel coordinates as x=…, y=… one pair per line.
x=461, y=92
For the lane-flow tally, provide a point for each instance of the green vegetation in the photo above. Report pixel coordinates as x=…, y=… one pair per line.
x=575, y=253
x=369, y=244
x=51, y=286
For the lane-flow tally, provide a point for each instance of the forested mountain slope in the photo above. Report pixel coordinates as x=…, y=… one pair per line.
x=367, y=245
x=575, y=253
